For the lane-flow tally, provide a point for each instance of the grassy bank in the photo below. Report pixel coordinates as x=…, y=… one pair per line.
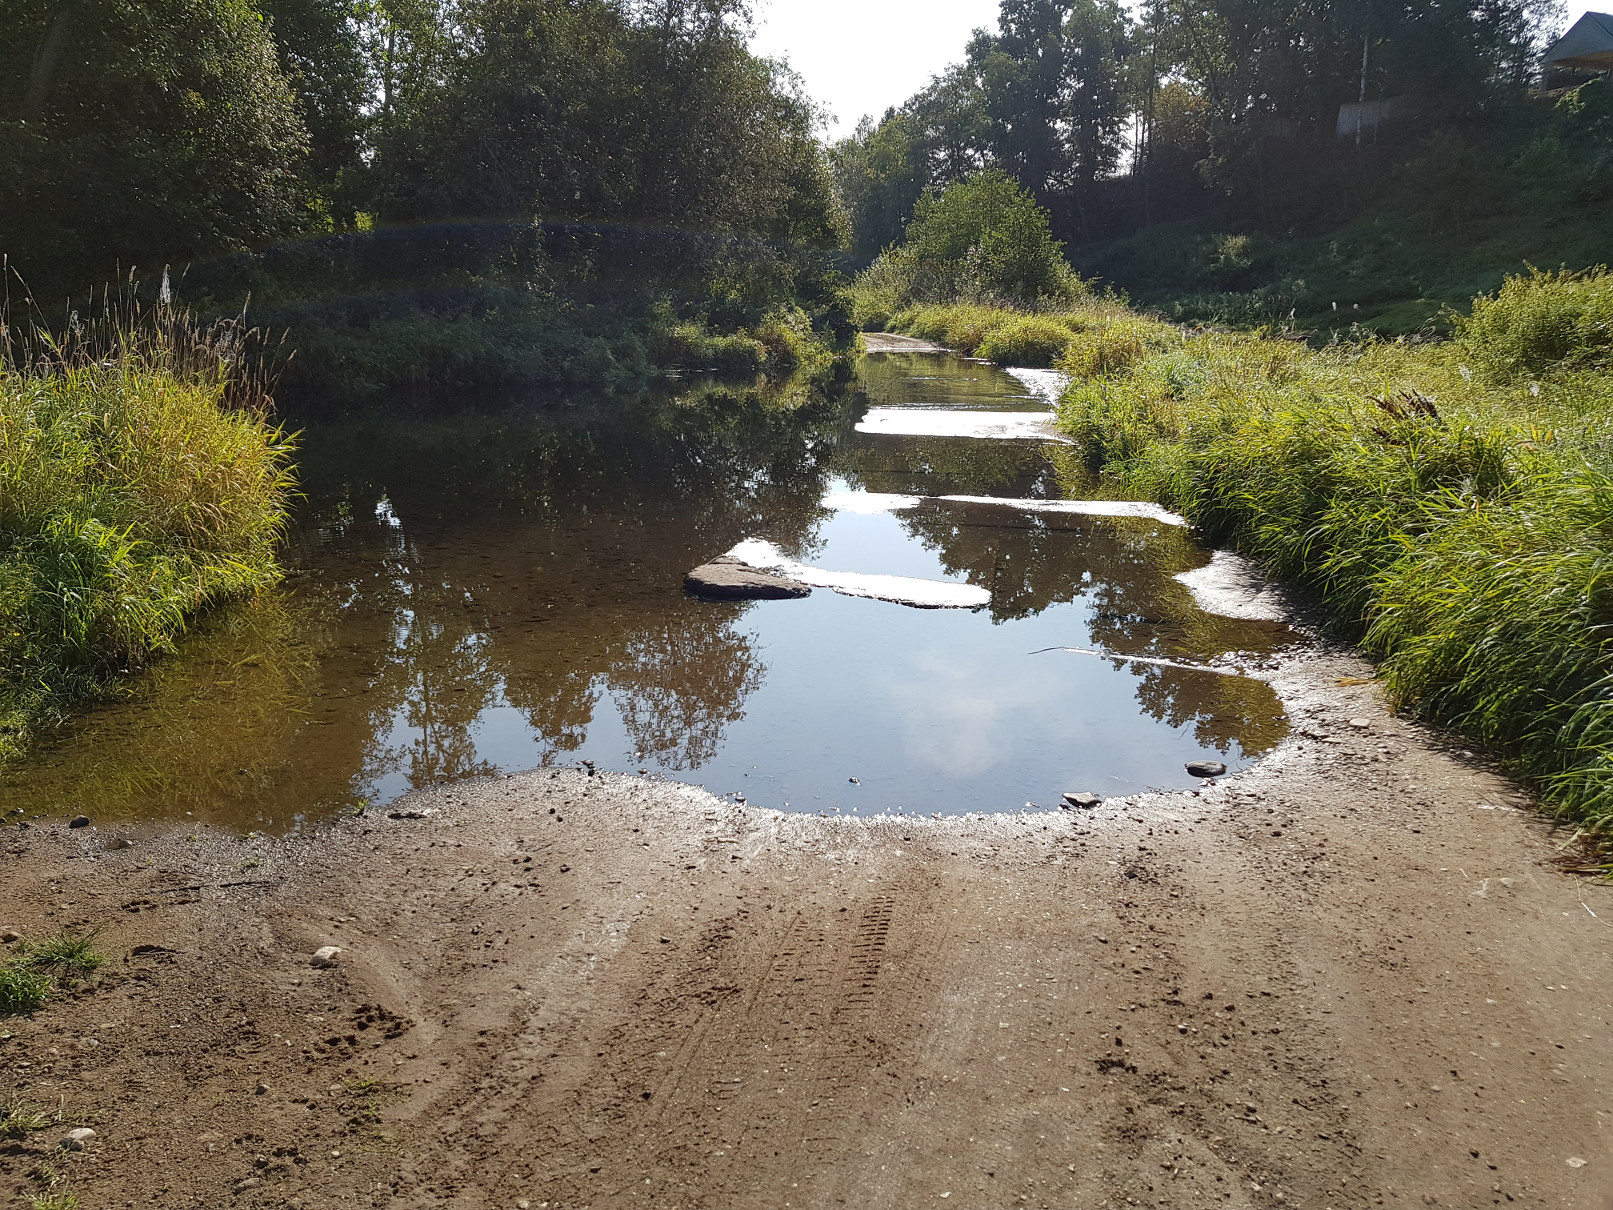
x=140, y=482
x=1014, y=337
x=1451, y=503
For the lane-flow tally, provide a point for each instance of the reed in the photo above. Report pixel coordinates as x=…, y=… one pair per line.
x=142, y=480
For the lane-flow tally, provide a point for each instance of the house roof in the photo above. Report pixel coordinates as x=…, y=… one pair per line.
x=1587, y=46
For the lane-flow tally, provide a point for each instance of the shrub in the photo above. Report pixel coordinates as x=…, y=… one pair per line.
x=1541, y=321
x=983, y=239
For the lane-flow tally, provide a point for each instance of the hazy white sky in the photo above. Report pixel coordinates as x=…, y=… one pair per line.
x=862, y=56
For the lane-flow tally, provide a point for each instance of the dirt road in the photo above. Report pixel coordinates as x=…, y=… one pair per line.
x=1349, y=977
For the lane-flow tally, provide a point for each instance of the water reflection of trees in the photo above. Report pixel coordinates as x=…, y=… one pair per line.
x=449, y=564
x=1124, y=569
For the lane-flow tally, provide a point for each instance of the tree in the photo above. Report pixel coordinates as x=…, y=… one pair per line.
x=984, y=239
x=322, y=54
x=137, y=132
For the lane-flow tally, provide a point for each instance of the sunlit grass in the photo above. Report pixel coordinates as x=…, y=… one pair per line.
x=1452, y=504
x=140, y=482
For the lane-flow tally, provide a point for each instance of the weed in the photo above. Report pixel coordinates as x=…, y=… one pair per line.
x=18, y=1118
x=54, y=1201
x=66, y=955
x=21, y=991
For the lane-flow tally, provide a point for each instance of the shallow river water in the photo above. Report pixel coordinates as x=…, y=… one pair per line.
x=496, y=591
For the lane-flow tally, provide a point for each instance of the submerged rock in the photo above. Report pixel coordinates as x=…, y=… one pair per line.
x=1206, y=768
x=1082, y=800
x=726, y=578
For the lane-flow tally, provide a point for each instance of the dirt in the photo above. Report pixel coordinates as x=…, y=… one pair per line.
x=1352, y=975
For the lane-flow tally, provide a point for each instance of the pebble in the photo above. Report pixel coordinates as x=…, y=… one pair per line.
x=262, y=1088
x=251, y=1182
x=76, y=1139
x=854, y=781
x=79, y=821
x=1082, y=799
x=1205, y=768
x=325, y=955
x=1361, y=723
x=121, y=842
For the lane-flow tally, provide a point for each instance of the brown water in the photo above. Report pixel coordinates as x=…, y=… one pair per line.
x=503, y=590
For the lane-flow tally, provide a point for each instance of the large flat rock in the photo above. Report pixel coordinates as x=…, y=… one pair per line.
x=726, y=578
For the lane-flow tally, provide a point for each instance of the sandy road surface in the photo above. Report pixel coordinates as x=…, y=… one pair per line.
x=1349, y=977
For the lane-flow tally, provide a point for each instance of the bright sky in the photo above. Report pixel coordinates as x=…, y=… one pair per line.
x=862, y=56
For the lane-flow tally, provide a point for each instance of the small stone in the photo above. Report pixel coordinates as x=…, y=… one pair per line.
x=1082, y=799
x=1205, y=768
x=251, y=1182
x=261, y=1089
x=1575, y=1162
x=324, y=956
x=1360, y=724
x=854, y=781
x=9, y=935
x=79, y=821
x=75, y=1140
x=408, y=814
x=119, y=843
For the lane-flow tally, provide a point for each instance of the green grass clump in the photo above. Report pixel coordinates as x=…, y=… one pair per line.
x=22, y=991
x=65, y=955
x=54, y=1201
x=1458, y=525
x=20, y=1118
x=1029, y=340
x=140, y=483
x=1540, y=321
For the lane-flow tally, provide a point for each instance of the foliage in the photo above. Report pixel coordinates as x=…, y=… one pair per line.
x=141, y=133
x=983, y=239
x=140, y=482
x=1457, y=526
x=1541, y=320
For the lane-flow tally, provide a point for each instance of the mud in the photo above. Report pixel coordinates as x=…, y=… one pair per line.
x=1350, y=976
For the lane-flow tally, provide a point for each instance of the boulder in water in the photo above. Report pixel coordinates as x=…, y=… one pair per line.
x=728, y=579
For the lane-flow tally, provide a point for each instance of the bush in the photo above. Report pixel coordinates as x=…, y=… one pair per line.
x=983, y=239
x=1029, y=340
x=1540, y=321
x=140, y=482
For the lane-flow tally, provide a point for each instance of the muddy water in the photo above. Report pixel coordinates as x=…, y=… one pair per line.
x=503, y=590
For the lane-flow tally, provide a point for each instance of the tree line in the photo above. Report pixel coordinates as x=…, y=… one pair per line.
x=136, y=133
x=1113, y=120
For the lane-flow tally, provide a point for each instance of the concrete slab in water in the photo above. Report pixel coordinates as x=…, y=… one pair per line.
x=729, y=579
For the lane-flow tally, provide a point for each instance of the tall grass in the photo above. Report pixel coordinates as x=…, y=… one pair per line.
x=1452, y=504
x=141, y=481
x=1013, y=337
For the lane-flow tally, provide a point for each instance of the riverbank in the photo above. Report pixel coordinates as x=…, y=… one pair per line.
x=651, y=996
x=141, y=482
